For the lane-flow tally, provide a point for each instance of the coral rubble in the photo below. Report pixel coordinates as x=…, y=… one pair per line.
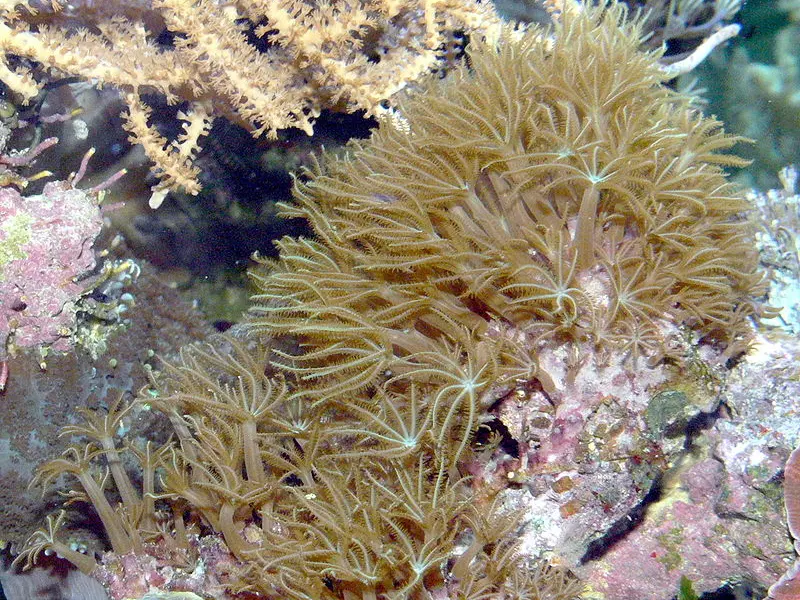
x=718, y=520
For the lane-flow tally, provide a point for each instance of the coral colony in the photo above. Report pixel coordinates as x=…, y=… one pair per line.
x=518, y=298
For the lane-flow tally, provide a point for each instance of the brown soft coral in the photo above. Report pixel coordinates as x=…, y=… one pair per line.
x=555, y=191
x=356, y=499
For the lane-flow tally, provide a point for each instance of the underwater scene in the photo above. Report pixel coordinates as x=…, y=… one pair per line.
x=399, y=300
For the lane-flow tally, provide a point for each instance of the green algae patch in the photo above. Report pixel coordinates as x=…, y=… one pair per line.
x=16, y=235
x=667, y=414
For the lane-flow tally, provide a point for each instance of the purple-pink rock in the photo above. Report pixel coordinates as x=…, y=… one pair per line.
x=45, y=247
x=719, y=517
x=788, y=586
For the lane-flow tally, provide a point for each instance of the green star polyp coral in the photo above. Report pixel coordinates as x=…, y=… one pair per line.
x=555, y=187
